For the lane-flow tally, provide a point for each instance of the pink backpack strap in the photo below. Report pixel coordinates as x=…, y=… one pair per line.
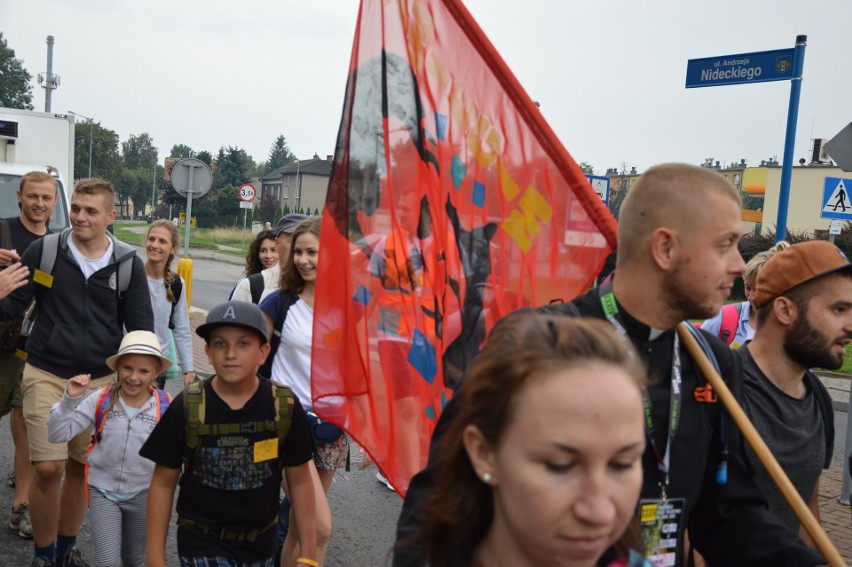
x=162, y=402
x=730, y=322
x=100, y=409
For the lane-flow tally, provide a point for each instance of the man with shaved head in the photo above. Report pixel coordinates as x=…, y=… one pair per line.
x=677, y=260
x=677, y=234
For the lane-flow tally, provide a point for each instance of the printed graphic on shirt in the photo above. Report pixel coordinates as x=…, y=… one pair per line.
x=117, y=412
x=230, y=464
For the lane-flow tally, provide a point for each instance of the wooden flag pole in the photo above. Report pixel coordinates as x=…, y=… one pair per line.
x=803, y=513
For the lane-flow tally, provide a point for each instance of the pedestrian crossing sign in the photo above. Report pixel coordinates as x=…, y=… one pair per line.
x=836, y=203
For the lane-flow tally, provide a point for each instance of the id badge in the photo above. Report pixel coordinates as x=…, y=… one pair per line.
x=43, y=278
x=266, y=450
x=660, y=521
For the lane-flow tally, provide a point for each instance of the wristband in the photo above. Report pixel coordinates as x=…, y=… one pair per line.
x=306, y=561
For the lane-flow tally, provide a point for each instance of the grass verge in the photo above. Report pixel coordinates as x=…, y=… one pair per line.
x=226, y=241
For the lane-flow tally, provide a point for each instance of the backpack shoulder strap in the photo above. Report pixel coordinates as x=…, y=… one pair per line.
x=283, y=409
x=125, y=272
x=163, y=400
x=177, y=288
x=826, y=411
x=256, y=286
x=193, y=400
x=730, y=321
x=288, y=298
x=6, y=235
x=49, y=251
x=100, y=414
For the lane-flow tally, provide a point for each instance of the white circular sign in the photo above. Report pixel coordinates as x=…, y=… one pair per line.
x=246, y=192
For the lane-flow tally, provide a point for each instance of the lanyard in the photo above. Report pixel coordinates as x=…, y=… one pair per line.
x=610, y=308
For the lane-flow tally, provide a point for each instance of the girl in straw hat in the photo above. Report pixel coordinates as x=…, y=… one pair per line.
x=122, y=415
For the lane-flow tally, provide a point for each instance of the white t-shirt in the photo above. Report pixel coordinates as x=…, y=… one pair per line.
x=292, y=363
x=271, y=276
x=89, y=266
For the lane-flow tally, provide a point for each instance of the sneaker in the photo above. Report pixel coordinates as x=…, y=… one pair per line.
x=20, y=522
x=72, y=558
x=381, y=478
x=42, y=562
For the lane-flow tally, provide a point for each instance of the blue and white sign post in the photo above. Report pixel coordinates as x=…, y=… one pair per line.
x=601, y=186
x=760, y=67
x=835, y=199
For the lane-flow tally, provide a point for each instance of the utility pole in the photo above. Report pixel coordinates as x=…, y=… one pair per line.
x=48, y=81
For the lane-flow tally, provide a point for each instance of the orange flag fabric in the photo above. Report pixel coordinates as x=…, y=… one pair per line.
x=451, y=203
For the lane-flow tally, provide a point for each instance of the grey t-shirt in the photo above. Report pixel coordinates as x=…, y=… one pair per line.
x=794, y=431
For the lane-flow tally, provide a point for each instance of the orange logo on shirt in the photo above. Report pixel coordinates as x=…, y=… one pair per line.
x=704, y=394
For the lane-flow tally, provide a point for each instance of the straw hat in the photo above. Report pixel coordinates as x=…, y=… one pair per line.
x=140, y=342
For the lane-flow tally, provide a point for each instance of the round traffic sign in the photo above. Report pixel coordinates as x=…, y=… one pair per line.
x=202, y=177
x=246, y=192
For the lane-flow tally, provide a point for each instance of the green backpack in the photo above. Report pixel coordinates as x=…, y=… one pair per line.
x=196, y=428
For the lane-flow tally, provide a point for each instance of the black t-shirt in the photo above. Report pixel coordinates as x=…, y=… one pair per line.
x=225, y=487
x=21, y=237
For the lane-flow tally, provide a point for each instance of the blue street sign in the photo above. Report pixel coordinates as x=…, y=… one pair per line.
x=601, y=186
x=758, y=67
x=835, y=199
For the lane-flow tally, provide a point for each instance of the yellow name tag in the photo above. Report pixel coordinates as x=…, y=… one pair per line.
x=43, y=278
x=648, y=513
x=266, y=450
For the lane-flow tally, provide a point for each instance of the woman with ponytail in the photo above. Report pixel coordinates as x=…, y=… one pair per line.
x=168, y=296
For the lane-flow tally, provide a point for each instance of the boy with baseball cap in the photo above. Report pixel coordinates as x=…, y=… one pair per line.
x=232, y=435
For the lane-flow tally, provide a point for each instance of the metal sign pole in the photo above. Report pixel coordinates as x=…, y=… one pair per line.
x=188, y=210
x=245, y=216
x=790, y=142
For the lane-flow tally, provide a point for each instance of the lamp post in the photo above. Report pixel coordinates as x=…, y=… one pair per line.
x=153, y=191
x=91, y=135
x=298, y=185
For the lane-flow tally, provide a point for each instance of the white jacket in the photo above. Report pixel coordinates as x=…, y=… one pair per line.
x=114, y=463
x=271, y=276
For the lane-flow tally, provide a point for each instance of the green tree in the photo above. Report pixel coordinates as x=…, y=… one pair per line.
x=205, y=156
x=232, y=167
x=181, y=151
x=139, y=151
x=219, y=207
x=587, y=168
x=135, y=187
x=15, y=88
x=267, y=210
x=106, y=161
x=279, y=154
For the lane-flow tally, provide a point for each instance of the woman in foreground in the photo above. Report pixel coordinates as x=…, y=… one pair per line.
x=543, y=464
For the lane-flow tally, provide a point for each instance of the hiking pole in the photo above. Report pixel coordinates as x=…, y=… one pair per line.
x=758, y=445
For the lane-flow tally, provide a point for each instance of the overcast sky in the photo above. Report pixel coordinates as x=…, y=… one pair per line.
x=609, y=74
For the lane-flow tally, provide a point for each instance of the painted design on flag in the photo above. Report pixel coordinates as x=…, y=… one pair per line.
x=451, y=203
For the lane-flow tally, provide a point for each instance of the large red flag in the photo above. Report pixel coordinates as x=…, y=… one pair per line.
x=451, y=203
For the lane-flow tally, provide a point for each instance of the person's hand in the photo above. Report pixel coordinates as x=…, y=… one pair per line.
x=188, y=378
x=78, y=385
x=366, y=460
x=8, y=256
x=12, y=278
